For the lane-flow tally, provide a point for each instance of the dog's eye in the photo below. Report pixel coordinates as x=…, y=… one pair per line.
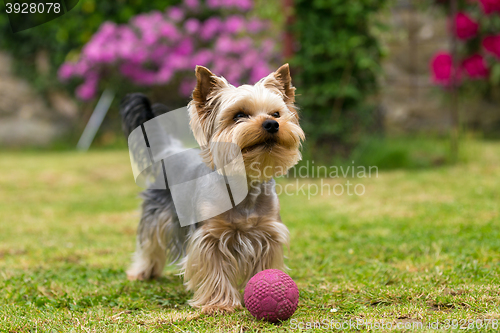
x=240, y=115
x=276, y=115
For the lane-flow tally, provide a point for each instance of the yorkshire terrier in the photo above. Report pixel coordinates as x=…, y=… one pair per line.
x=219, y=255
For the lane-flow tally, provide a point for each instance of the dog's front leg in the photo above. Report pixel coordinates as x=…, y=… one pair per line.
x=211, y=271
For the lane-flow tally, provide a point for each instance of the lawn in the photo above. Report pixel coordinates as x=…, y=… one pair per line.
x=420, y=246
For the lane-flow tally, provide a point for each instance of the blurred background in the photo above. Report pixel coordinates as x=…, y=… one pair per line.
x=392, y=83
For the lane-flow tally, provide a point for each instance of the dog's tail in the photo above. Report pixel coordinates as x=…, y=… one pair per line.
x=135, y=110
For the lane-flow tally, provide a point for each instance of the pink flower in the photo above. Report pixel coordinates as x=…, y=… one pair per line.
x=192, y=4
x=175, y=14
x=107, y=29
x=159, y=53
x=220, y=64
x=66, y=71
x=475, y=67
x=143, y=22
x=140, y=55
x=213, y=3
x=155, y=17
x=178, y=62
x=235, y=24
x=203, y=57
x=139, y=20
x=169, y=31
x=244, y=4
x=259, y=71
x=185, y=47
x=85, y=92
x=492, y=45
x=187, y=86
x=250, y=58
x=138, y=74
x=99, y=52
x=128, y=69
x=165, y=74
x=125, y=49
x=150, y=37
x=210, y=28
x=81, y=67
x=192, y=25
x=242, y=46
x=490, y=6
x=233, y=72
x=145, y=77
x=125, y=33
x=441, y=66
x=465, y=27
x=224, y=44
x=88, y=89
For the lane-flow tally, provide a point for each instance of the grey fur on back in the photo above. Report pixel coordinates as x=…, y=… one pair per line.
x=159, y=219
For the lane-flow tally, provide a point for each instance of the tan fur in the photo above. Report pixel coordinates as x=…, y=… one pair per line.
x=212, y=115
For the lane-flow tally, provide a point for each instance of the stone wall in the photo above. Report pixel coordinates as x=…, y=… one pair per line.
x=411, y=103
x=27, y=119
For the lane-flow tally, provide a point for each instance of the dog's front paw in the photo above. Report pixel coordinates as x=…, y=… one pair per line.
x=139, y=274
x=219, y=309
x=131, y=276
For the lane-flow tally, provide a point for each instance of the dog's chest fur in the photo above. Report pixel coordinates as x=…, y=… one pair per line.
x=259, y=208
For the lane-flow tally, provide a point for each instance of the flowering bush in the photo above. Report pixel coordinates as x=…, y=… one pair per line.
x=476, y=26
x=63, y=40
x=157, y=47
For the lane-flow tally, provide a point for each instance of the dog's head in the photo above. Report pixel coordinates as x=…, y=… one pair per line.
x=261, y=120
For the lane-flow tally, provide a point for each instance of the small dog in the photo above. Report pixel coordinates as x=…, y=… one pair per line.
x=219, y=255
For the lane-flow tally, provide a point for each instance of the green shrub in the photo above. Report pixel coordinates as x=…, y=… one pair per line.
x=337, y=63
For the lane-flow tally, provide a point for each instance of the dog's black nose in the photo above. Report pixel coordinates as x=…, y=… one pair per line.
x=271, y=126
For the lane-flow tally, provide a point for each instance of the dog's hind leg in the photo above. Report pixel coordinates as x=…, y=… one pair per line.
x=158, y=237
x=151, y=253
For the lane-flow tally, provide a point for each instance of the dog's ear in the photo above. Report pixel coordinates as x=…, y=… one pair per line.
x=206, y=84
x=282, y=81
x=201, y=107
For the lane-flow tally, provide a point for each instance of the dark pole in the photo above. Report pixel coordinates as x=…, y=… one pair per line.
x=455, y=120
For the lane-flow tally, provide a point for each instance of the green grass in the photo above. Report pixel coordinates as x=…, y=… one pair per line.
x=418, y=246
